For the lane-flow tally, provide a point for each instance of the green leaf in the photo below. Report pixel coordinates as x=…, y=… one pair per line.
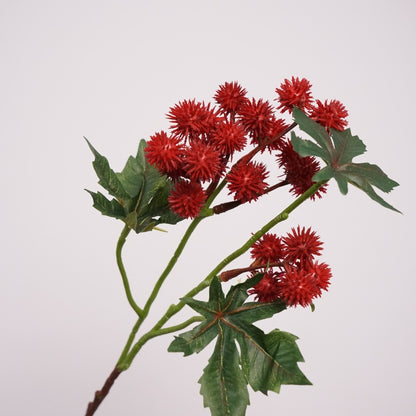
x=347, y=147
x=270, y=361
x=141, y=192
x=110, y=208
x=337, y=150
x=371, y=173
x=107, y=177
x=315, y=130
x=364, y=175
x=223, y=385
x=265, y=361
x=131, y=177
x=284, y=350
x=307, y=147
x=195, y=340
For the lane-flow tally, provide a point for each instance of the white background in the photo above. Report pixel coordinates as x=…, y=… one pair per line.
x=110, y=70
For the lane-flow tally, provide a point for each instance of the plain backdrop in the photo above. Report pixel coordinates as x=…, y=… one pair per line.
x=110, y=71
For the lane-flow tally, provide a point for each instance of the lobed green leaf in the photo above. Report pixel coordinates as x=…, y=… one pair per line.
x=308, y=148
x=337, y=151
x=195, y=340
x=284, y=350
x=346, y=147
x=223, y=385
x=131, y=177
x=110, y=208
x=107, y=177
x=265, y=361
x=140, y=189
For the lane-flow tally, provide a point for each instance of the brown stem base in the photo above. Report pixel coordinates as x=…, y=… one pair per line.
x=101, y=394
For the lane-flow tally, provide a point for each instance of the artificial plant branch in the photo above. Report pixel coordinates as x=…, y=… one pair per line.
x=167, y=181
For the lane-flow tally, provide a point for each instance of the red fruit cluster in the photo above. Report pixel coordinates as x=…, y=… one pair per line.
x=199, y=148
x=297, y=92
x=291, y=273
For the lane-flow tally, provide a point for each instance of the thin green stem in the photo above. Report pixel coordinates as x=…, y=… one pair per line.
x=178, y=327
x=170, y=265
x=120, y=362
x=155, y=333
x=204, y=213
x=120, y=243
x=217, y=190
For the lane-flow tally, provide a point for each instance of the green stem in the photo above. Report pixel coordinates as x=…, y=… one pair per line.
x=120, y=362
x=178, y=327
x=120, y=243
x=204, y=213
x=155, y=333
x=124, y=362
x=170, y=265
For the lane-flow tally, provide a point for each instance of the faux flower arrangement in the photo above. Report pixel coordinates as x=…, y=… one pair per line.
x=177, y=175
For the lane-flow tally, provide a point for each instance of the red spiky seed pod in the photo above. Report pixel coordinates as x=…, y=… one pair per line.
x=191, y=120
x=229, y=137
x=330, y=114
x=187, y=198
x=267, y=290
x=296, y=287
x=247, y=181
x=165, y=152
x=230, y=96
x=257, y=117
x=269, y=249
x=302, y=245
x=295, y=92
x=202, y=162
x=322, y=274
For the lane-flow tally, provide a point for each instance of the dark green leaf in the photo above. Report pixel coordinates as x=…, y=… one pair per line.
x=196, y=339
x=223, y=385
x=308, y=148
x=265, y=361
x=283, y=348
x=131, y=177
x=251, y=312
x=107, y=177
x=324, y=174
x=315, y=130
x=206, y=309
x=110, y=208
x=267, y=365
x=337, y=151
x=360, y=173
x=347, y=147
x=140, y=189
